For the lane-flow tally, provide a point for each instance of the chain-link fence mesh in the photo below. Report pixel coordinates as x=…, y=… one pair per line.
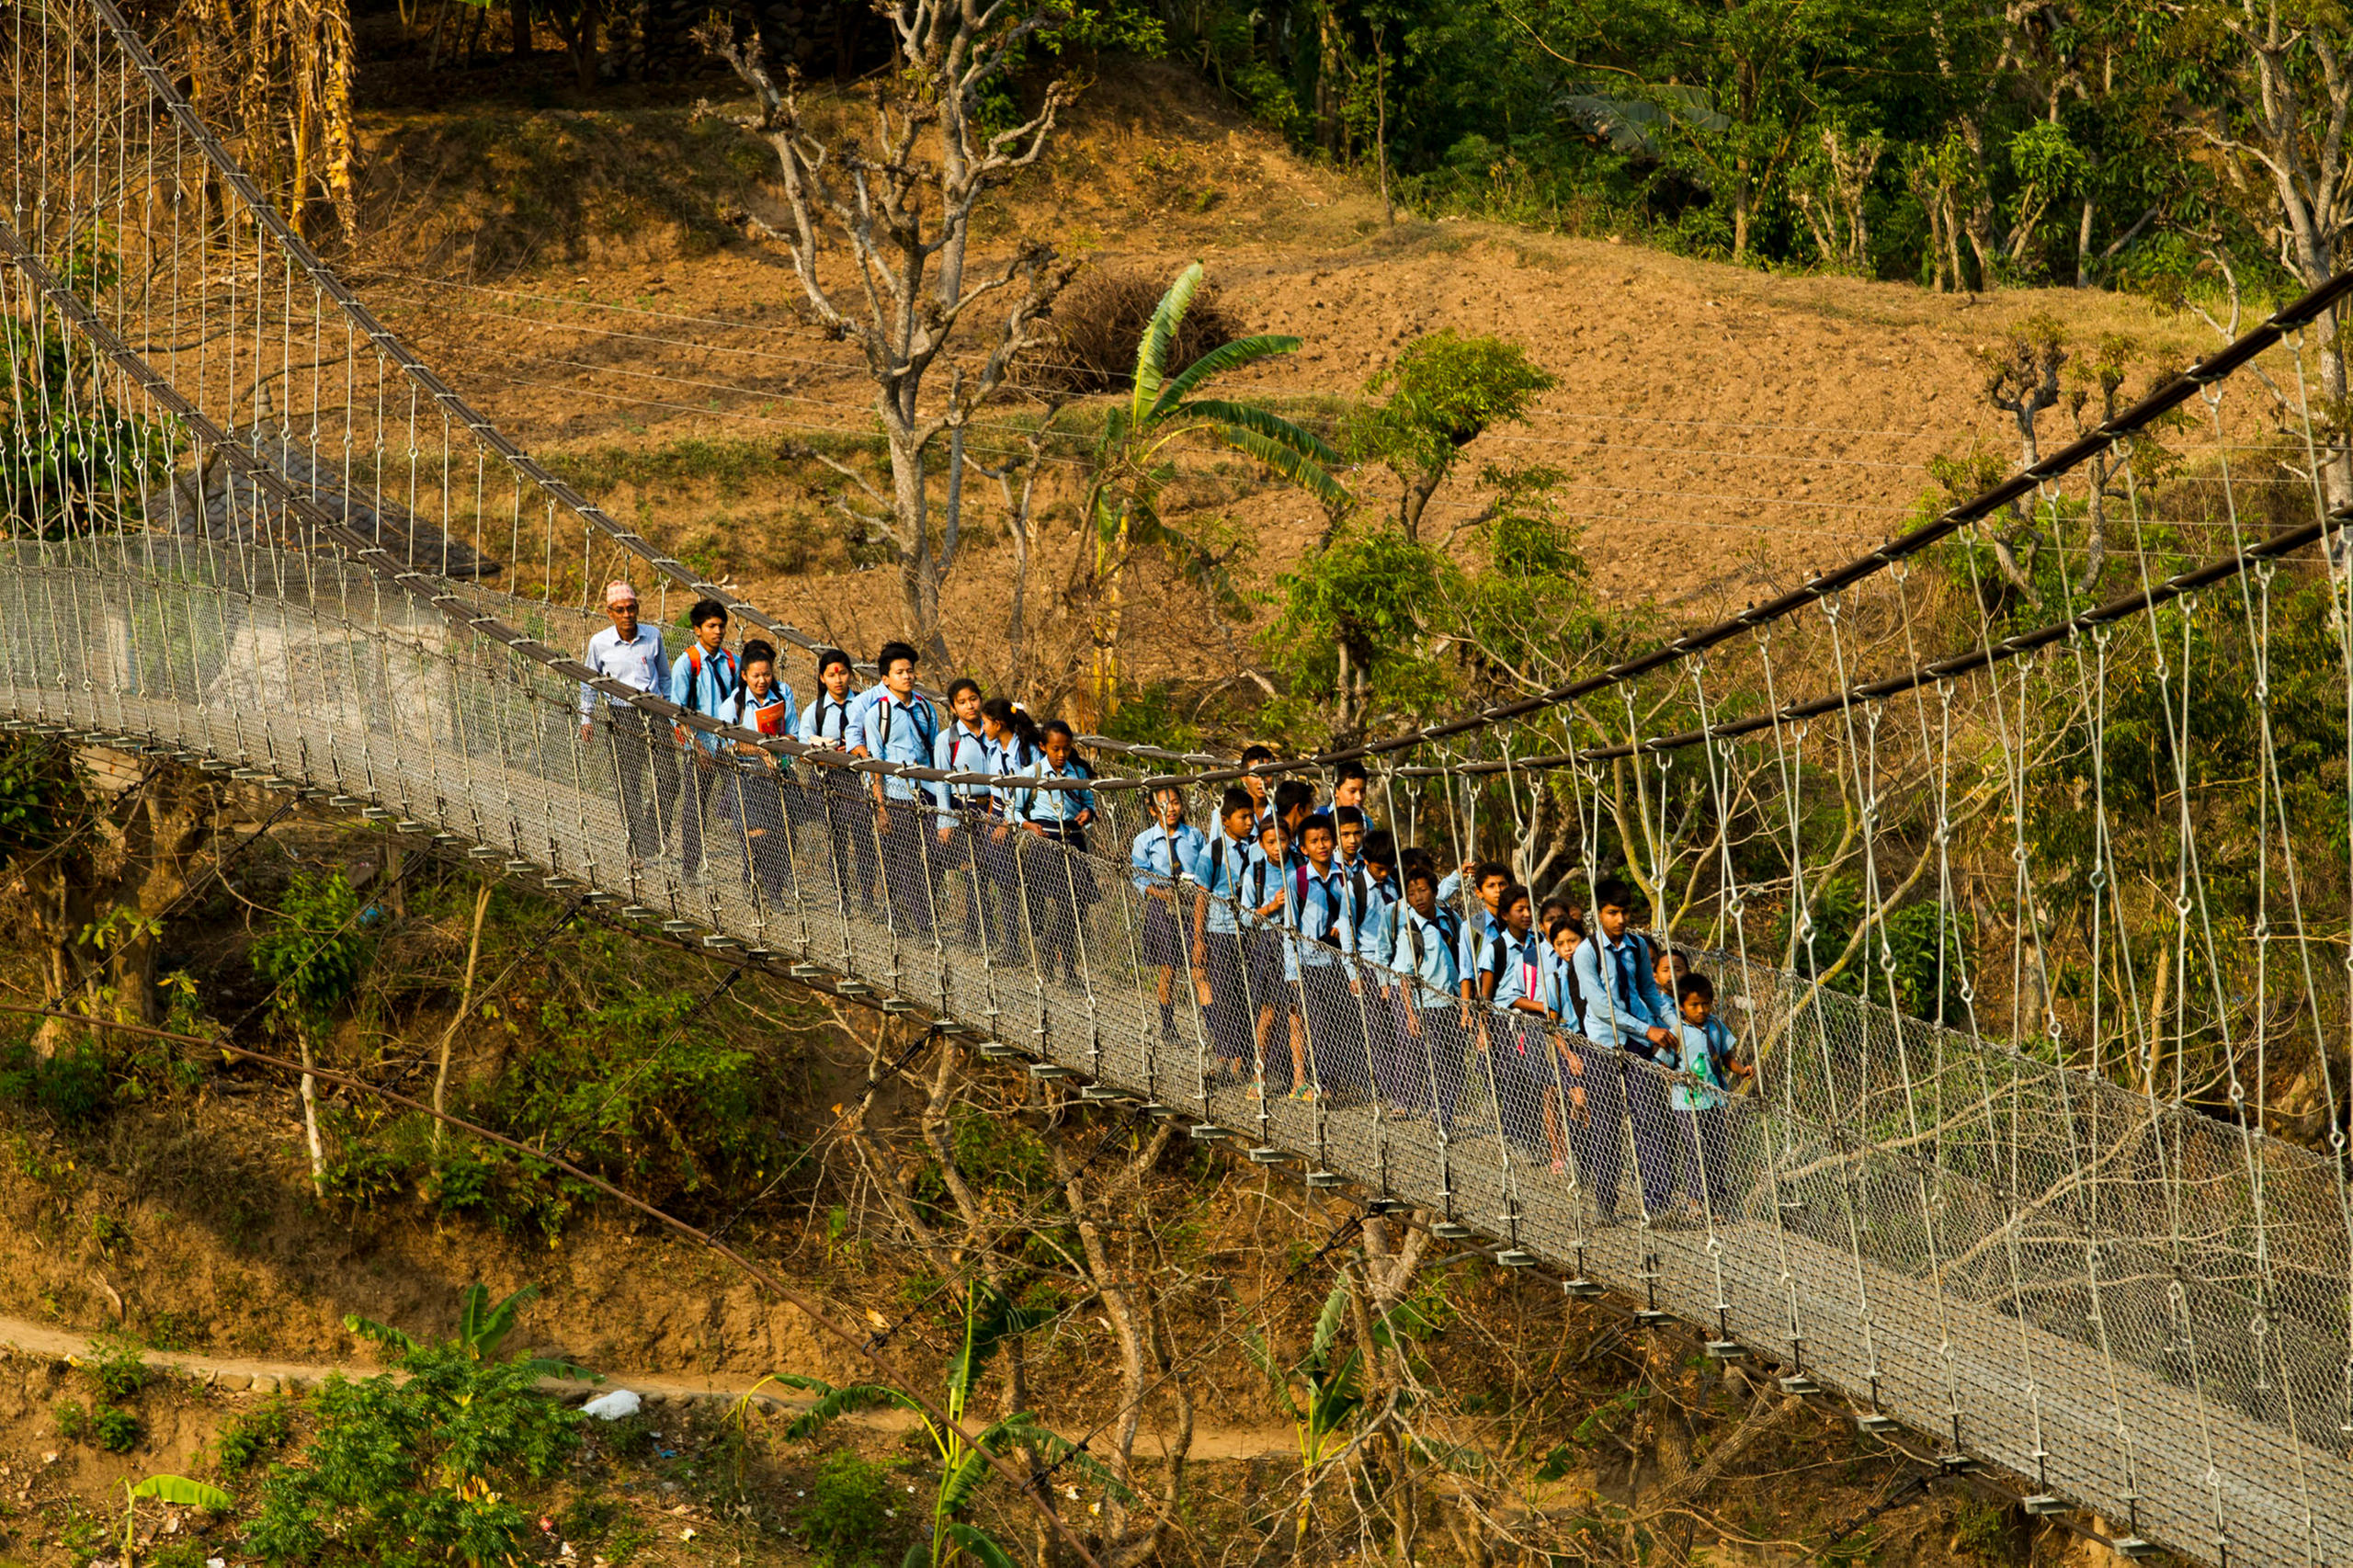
x=2129, y=1305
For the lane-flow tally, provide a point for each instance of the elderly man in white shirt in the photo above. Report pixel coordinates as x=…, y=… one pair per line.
x=632, y=654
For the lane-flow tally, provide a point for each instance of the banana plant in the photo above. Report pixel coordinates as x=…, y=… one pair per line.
x=1135, y=461
x=177, y=1490
x=1323, y=1392
x=990, y=1321
x=482, y=1329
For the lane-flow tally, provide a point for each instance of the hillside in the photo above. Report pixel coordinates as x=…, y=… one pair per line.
x=1723, y=430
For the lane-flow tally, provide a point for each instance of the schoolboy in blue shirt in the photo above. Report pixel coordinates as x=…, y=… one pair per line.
x=1704, y=1105
x=1431, y=1008
x=702, y=680
x=1219, y=955
x=1327, y=1042
x=891, y=723
x=1623, y=1008
x=1516, y=1057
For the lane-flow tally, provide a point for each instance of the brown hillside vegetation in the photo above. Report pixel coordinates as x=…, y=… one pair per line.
x=1723, y=430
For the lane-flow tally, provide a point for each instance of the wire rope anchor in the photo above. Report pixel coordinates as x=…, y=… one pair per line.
x=1207, y=1132
x=2043, y=1505
x=1726, y=1350
x=1103, y=1094
x=987, y=1050
x=1046, y=1072
x=1266, y=1155
x=1323, y=1180
x=483, y=852
x=1878, y=1423
x=1798, y=1385
x=1452, y=1231
x=1517, y=1258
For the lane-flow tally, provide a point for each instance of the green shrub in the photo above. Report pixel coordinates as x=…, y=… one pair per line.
x=115, y=1371
x=848, y=1516
x=249, y=1440
x=70, y=1087
x=403, y=1473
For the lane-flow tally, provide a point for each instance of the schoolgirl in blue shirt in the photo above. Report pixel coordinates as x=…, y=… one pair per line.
x=963, y=747
x=764, y=705
x=1167, y=860
x=1061, y=885
x=1012, y=755
x=827, y=795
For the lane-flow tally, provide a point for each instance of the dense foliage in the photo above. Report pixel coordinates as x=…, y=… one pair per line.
x=2078, y=142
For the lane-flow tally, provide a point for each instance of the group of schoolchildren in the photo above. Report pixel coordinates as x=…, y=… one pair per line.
x=1330, y=963
x=890, y=841
x=1327, y=963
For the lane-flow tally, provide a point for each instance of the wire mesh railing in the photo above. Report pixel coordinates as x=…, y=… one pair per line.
x=2042, y=1269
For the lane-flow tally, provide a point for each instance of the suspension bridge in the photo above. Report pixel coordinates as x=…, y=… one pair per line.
x=251, y=532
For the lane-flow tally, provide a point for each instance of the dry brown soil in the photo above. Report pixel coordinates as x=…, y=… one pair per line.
x=1723, y=430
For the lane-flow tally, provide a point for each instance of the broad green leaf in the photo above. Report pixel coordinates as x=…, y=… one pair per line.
x=183, y=1493
x=1327, y=1321
x=834, y=1404
x=1152, y=350
x=1266, y=422
x=1217, y=361
x=390, y=1338
x=1291, y=464
x=983, y=1546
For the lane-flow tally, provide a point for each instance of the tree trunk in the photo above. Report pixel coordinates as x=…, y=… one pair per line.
x=465, y=1006
x=519, y=15
x=311, y=1116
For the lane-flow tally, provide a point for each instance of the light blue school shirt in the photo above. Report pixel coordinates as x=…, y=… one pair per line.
x=1262, y=883
x=1423, y=953
x=1052, y=808
x=825, y=722
x=706, y=684
x=959, y=749
x=639, y=664
x=1523, y=976
x=1369, y=898
x=1621, y=996
x=1225, y=860
x=892, y=731
x=1702, y=1047
x=744, y=712
x=1478, y=931
x=1313, y=905
x=1012, y=761
x=1160, y=856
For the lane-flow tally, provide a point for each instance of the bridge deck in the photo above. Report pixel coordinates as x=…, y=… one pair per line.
x=347, y=689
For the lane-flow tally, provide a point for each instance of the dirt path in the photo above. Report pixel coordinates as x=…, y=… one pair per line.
x=238, y=1375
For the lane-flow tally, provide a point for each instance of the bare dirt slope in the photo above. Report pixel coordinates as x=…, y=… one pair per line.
x=1723, y=430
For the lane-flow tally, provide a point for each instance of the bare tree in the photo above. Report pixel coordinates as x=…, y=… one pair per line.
x=879, y=234
x=2289, y=108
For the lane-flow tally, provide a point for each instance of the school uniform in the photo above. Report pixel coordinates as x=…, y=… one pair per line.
x=1366, y=901
x=1621, y=1005
x=758, y=791
x=1166, y=867
x=1706, y=1112
x=1519, y=1049
x=962, y=748
x=1597, y=1130
x=706, y=684
x=1056, y=875
x=1315, y=951
x=828, y=799
x=996, y=847
x=1225, y=943
x=889, y=728
x=1432, y=1042
x=642, y=665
